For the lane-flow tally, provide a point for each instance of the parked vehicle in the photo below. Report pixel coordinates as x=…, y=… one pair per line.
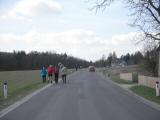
x=91, y=69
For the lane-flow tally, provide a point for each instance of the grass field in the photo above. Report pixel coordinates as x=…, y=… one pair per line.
x=20, y=84
x=146, y=92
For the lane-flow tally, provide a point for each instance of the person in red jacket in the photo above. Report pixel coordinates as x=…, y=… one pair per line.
x=50, y=71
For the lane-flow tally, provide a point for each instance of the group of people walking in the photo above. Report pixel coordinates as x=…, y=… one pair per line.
x=54, y=72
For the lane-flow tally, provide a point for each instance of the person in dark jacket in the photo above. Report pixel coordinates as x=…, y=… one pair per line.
x=56, y=74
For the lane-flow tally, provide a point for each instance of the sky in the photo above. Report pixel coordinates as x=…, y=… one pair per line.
x=66, y=26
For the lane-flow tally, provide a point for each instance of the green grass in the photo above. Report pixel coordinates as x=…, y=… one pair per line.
x=20, y=84
x=146, y=92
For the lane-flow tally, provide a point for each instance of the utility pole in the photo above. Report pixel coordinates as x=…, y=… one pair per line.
x=158, y=82
x=158, y=50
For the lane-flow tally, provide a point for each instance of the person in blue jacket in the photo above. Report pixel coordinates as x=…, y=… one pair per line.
x=44, y=74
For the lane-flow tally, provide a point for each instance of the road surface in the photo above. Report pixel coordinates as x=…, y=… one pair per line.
x=87, y=96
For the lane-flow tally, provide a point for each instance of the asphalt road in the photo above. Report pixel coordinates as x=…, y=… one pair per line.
x=87, y=96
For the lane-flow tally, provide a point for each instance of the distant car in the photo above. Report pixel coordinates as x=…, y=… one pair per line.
x=91, y=69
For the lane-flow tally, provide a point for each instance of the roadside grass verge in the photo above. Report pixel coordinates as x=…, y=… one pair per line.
x=115, y=77
x=146, y=92
x=20, y=84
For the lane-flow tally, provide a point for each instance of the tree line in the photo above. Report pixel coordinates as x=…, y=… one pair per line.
x=20, y=60
x=147, y=60
x=112, y=59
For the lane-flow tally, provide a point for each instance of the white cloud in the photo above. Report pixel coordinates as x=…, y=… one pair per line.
x=28, y=8
x=80, y=43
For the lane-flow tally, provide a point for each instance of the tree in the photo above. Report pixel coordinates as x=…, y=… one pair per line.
x=145, y=14
x=137, y=57
x=114, y=57
x=110, y=59
x=101, y=62
x=151, y=61
x=151, y=57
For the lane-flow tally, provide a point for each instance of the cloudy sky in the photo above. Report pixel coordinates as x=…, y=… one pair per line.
x=66, y=26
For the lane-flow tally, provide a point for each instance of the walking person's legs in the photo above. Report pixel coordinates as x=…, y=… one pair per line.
x=56, y=78
x=51, y=79
x=44, y=79
x=65, y=79
x=48, y=79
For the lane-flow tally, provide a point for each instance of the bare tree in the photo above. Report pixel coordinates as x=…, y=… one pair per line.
x=150, y=61
x=145, y=14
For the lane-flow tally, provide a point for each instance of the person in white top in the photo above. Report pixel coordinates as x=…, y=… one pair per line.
x=63, y=71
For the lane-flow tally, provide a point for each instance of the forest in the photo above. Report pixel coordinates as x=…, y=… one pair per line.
x=20, y=60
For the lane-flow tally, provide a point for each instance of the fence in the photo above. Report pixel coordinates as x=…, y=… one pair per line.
x=148, y=81
x=129, y=76
x=126, y=76
x=141, y=79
